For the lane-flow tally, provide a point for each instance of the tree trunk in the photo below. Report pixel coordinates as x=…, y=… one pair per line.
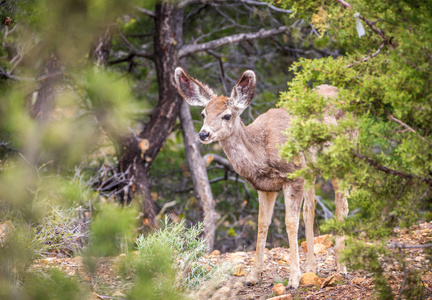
x=139, y=153
x=198, y=170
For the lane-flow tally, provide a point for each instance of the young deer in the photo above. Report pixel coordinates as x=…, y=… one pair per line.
x=253, y=152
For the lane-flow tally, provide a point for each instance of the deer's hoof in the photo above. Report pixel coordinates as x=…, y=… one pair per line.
x=294, y=280
x=341, y=269
x=252, y=279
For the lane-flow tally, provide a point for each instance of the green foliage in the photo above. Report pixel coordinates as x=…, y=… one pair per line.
x=111, y=233
x=54, y=285
x=386, y=98
x=181, y=249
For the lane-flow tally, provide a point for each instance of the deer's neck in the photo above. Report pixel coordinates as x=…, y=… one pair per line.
x=243, y=147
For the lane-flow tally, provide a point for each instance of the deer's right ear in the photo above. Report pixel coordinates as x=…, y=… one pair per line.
x=194, y=92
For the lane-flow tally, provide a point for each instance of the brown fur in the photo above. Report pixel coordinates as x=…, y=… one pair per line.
x=254, y=153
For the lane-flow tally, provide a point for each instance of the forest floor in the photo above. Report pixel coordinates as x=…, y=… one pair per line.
x=105, y=283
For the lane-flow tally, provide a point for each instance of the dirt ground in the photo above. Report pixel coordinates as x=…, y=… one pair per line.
x=106, y=284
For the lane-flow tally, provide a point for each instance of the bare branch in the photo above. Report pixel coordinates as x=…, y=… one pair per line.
x=364, y=59
x=146, y=11
x=133, y=49
x=391, y=171
x=7, y=75
x=344, y=3
x=406, y=126
x=192, y=48
x=219, y=160
x=249, y=2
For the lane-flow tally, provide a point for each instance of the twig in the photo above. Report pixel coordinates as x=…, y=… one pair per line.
x=184, y=3
x=344, y=3
x=364, y=59
x=406, y=126
x=146, y=11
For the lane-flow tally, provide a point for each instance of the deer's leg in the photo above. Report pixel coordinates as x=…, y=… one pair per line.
x=341, y=214
x=309, y=217
x=266, y=205
x=293, y=194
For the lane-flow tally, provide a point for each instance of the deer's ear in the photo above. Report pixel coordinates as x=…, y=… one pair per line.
x=194, y=92
x=243, y=91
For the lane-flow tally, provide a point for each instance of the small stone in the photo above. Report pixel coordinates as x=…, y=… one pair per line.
x=358, y=280
x=319, y=249
x=215, y=252
x=222, y=293
x=279, y=289
x=307, y=278
x=119, y=294
x=283, y=297
x=239, y=271
x=331, y=280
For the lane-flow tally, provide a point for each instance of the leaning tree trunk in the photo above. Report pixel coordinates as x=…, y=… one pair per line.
x=140, y=152
x=198, y=170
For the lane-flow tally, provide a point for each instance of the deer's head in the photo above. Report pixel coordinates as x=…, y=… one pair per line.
x=221, y=114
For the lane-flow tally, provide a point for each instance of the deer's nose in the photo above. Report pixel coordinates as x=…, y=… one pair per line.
x=203, y=135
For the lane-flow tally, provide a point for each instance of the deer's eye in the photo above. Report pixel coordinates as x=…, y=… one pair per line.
x=203, y=116
x=226, y=117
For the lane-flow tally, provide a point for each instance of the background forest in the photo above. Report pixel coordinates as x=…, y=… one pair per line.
x=97, y=149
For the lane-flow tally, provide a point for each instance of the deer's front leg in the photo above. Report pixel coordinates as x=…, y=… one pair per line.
x=341, y=213
x=293, y=194
x=266, y=205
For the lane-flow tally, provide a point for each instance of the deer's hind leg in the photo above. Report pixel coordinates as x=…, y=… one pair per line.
x=266, y=205
x=309, y=217
x=293, y=193
x=341, y=213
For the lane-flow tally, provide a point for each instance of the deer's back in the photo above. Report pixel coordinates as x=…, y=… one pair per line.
x=268, y=171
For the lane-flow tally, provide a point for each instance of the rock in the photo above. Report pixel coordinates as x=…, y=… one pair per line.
x=215, y=253
x=322, y=239
x=331, y=280
x=319, y=249
x=304, y=246
x=318, y=281
x=119, y=294
x=283, y=297
x=6, y=229
x=307, y=278
x=286, y=256
x=279, y=289
x=239, y=271
x=325, y=240
x=358, y=280
x=222, y=293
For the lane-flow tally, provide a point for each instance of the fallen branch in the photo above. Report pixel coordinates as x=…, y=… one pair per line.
x=396, y=245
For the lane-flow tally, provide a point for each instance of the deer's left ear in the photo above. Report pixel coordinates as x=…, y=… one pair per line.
x=243, y=91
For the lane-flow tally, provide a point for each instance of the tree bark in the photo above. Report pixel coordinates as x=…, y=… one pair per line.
x=139, y=159
x=197, y=166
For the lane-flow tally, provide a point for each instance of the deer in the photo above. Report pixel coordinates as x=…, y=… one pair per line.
x=253, y=151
